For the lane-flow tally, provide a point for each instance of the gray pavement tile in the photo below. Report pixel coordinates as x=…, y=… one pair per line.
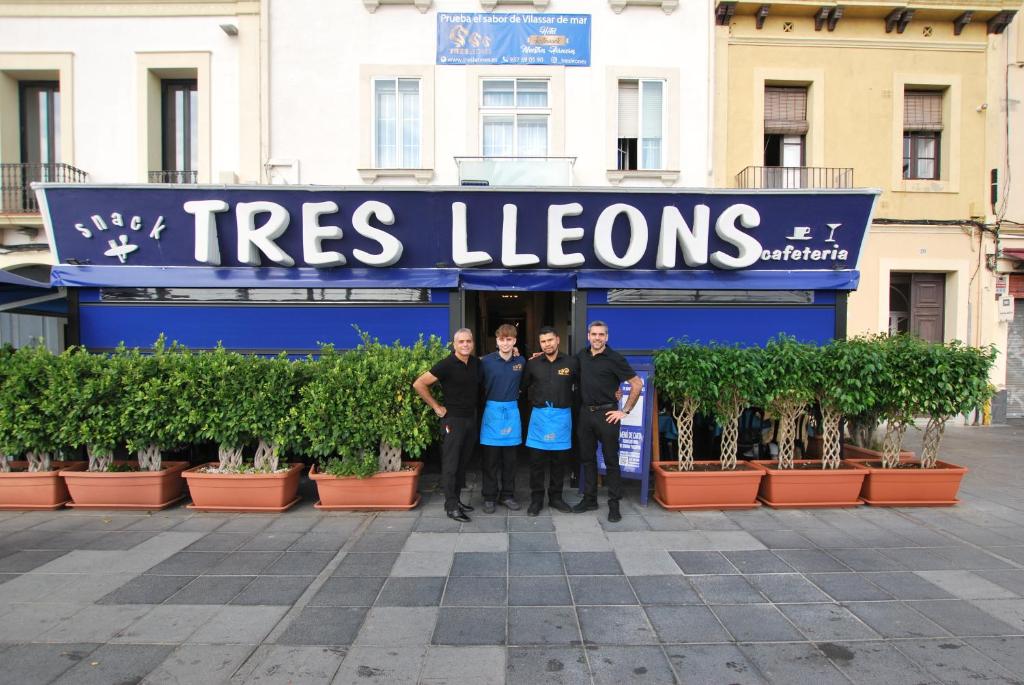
x=481, y=542
x=667, y=521
x=339, y=523
x=299, y=564
x=36, y=663
x=874, y=663
x=1012, y=580
x=270, y=542
x=166, y=624
x=211, y=590
x=896, y=620
x=963, y=619
x=411, y=592
x=397, y=626
x=116, y=664
x=4, y=577
x=955, y=662
x=1014, y=552
x=615, y=625
x=711, y=520
x=1010, y=611
x=445, y=664
x=535, y=564
x=627, y=524
x=434, y=524
x=356, y=564
x=921, y=558
x=94, y=624
x=381, y=542
x=201, y=523
x=187, y=563
x=811, y=561
x=591, y=563
x=23, y=562
x=849, y=587
x=480, y=564
x=970, y=559
x=1008, y=652
x=243, y=563
x=907, y=586
x=653, y=562
x=543, y=626
x=293, y=523
x=392, y=525
x=25, y=622
x=496, y=523
x=757, y=561
x=782, y=539
x=245, y=523
x=758, y=622
x=827, y=622
x=339, y=591
x=532, y=542
x=794, y=664
x=411, y=564
x=726, y=590
x=638, y=664
x=371, y=665
x=470, y=626
x=689, y=623
x=273, y=590
x=146, y=590
x=319, y=542
x=468, y=591
x=62, y=541
x=595, y=590
x=539, y=591
x=583, y=541
x=866, y=560
x=191, y=664
x=431, y=542
x=547, y=665
x=119, y=540
x=239, y=625
x=967, y=585
x=831, y=539
x=787, y=587
x=290, y=665
x=712, y=664
x=219, y=542
x=531, y=524
x=700, y=563
x=321, y=625
x=664, y=590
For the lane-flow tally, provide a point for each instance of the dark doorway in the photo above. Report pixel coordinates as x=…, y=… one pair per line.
x=527, y=311
x=917, y=304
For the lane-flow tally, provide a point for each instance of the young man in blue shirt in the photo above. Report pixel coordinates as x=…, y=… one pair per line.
x=501, y=429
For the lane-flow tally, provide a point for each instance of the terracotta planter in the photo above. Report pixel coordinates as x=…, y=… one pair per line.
x=716, y=489
x=857, y=454
x=912, y=487
x=255, y=492
x=811, y=488
x=22, y=490
x=381, y=491
x=126, y=489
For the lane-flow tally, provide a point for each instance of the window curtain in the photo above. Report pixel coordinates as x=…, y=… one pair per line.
x=651, y=124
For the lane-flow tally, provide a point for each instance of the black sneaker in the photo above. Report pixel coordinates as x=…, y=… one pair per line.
x=458, y=515
x=488, y=507
x=511, y=504
x=613, y=512
x=584, y=505
x=534, y=508
x=464, y=507
x=559, y=504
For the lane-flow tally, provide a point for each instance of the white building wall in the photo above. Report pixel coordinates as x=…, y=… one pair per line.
x=319, y=115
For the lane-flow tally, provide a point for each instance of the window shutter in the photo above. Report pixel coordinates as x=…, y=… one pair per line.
x=922, y=110
x=652, y=102
x=629, y=109
x=785, y=110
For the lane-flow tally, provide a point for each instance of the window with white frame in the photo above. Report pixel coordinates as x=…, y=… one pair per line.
x=641, y=129
x=922, y=133
x=514, y=117
x=397, y=123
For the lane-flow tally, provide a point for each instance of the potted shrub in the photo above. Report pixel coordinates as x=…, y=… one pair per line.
x=28, y=428
x=360, y=415
x=946, y=380
x=796, y=374
x=238, y=401
x=714, y=379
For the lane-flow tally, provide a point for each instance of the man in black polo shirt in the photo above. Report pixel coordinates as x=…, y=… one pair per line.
x=550, y=380
x=460, y=378
x=602, y=369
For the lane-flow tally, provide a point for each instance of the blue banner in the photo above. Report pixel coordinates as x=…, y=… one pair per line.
x=513, y=38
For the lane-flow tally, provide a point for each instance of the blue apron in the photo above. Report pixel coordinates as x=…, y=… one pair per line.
x=550, y=428
x=501, y=426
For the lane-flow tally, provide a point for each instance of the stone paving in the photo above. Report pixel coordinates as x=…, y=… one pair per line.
x=815, y=596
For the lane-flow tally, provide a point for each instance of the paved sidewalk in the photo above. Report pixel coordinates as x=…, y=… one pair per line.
x=814, y=596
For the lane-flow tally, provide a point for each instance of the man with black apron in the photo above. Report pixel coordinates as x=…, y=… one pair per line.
x=501, y=430
x=460, y=377
x=550, y=382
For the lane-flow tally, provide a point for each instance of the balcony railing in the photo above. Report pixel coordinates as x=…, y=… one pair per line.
x=16, y=194
x=794, y=177
x=515, y=171
x=171, y=176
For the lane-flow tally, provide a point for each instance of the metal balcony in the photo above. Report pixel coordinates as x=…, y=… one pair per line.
x=16, y=194
x=794, y=177
x=515, y=171
x=172, y=176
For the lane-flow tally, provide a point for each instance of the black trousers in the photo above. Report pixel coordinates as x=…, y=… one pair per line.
x=499, y=465
x=591, y=429
x=459, y=437
x=555, y=461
